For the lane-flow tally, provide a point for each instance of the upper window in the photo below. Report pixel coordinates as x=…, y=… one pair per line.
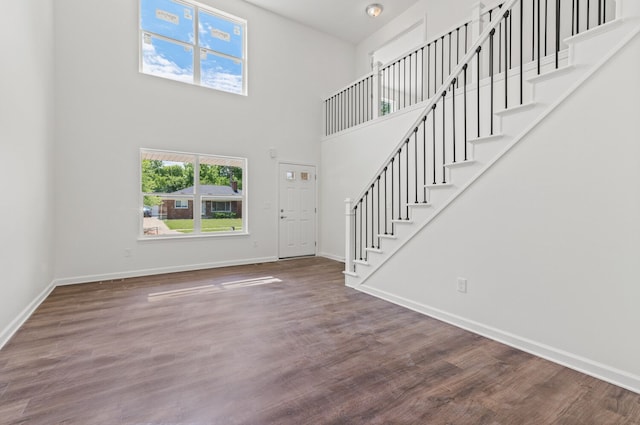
x=214, y=56
x=172, y=183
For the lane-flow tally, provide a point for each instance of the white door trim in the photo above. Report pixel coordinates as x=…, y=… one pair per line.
x=277, y=203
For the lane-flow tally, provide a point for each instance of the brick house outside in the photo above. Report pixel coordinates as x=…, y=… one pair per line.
x=218, y=201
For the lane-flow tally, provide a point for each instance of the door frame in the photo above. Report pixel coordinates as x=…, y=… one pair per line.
x=315, y=201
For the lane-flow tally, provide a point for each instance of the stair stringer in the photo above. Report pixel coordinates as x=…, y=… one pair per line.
x=585, y=62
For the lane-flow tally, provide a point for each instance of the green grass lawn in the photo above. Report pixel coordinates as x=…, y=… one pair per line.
x=208, y=225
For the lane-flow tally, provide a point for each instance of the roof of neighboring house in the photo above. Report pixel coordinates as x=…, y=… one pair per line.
x=211, y=190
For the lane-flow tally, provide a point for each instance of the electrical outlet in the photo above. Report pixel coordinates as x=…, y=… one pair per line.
x=462, y=285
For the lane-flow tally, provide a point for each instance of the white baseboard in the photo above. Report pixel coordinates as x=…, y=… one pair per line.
x=331, y=256
x=159, y=270
x=589, y=367
x=16, y=323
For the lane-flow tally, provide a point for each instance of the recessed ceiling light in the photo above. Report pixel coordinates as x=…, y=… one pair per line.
x=374, y=10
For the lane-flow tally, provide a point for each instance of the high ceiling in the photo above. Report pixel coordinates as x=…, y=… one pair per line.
x=344, y=19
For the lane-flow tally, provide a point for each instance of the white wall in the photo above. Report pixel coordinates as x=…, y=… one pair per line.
x=441, y=16
x=548, y=238
x=106, y=111
x=349, y=161
x=27, y=202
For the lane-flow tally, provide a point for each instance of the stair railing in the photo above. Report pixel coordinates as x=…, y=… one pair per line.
x=462, y=108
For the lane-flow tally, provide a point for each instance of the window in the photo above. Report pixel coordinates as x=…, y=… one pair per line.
x=173, y=184
x=221, y=206
x=214, y=56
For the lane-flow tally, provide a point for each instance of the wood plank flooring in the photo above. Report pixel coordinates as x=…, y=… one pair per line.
x=302, y=350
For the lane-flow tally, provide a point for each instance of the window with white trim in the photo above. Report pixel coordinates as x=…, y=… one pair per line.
x=172, y=183
x=214, y=56
x=221, y=206
x=181, y=203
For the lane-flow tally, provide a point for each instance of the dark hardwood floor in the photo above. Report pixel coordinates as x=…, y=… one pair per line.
x=225, y=347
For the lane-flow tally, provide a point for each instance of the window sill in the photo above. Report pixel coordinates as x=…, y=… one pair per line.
x=188, y=236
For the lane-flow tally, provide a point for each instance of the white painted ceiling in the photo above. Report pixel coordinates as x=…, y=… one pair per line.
x=344, y=19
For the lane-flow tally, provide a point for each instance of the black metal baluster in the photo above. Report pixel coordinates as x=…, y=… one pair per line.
x=404, y=81
x=521, y=52
x=604, y=11
x=588, y=13
x=533, y=29
x=385, y=201
x=373, y=230
x=406, y=144
x=378, y=211
x=478, y=84
x=464, y=69
x=415, y=161
x=557, y=32
x=453, y=118
x=435, y=66
x=442, y=62
x=444, y=127
x=340, y=119
x=392, y=191
x=538, y=51
x=457, y=45
x=573, y=17
x=361, y=234
x=366, y=223
x=491, y=34
x=577, y=16
x=424, y=158
x=410, y=78
x=449, y=72
x=599, y=12
x=506, y=70
x=433, y=141
x=400, y=183
x=421, y=73
x=355, y=234
x=326, y=117
x=499, y=51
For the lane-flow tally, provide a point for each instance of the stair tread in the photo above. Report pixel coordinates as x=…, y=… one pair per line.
x=489, y=138
x=594, y=31
x=403, y=221
x=551, y=74
x=517, y=108
x=419, y=204
x=438, y=185
x=383, y=236
x=460, y=163
x=376, y=250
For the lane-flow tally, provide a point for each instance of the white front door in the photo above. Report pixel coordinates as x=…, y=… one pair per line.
x=297, y=210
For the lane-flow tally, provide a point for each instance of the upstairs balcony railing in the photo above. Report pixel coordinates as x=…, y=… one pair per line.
x=417, y=75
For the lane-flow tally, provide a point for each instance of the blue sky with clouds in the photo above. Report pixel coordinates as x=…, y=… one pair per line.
x=175, y=60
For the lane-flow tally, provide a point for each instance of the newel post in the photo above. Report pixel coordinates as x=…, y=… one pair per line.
x=348, y=228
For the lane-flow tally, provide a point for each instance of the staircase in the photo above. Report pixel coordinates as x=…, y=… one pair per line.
x=506, y=84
